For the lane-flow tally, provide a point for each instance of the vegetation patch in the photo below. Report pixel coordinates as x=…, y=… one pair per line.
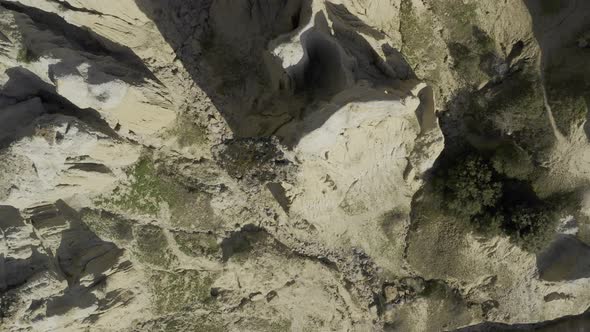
x=265, y=325
x=472, y=50
x=511, y=111
x=496, y=139
x=569, y=97
x=475, y=192
x=151, y=246
x=252, y=158
x=189, y=133
x=194, y=323
x=150, y=191
x=26, y=55
x=180, y=290
x=197, y=244
x=108, y=225
x=457, y=17
x=194, y=208
x=513, y=161
x=145, y=191
x=475, y=58
x=417, y=38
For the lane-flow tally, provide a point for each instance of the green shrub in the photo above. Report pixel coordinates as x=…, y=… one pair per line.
x=470, y=188
x=512, y=110
x=569, y=97
x=512, y=161
x=474, y=190
x=530, y=227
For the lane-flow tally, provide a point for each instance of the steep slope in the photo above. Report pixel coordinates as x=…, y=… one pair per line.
x=293, y=165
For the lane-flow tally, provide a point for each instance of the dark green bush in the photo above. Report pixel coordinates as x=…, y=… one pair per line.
x=530, y=227
x=475, y=191
x=470, y=188
x=512, y=161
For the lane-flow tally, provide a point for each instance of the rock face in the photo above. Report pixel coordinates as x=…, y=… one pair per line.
x=293, y=165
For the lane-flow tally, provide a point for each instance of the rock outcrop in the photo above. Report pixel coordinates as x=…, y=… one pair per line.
x=217, y=165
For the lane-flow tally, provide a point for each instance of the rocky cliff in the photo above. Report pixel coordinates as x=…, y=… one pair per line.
x=294, y=165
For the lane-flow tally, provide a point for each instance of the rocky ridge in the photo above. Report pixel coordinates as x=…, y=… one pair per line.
x=214, y=165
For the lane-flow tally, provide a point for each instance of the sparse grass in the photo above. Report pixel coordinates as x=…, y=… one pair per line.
x=522, y=99
x=263, y=325
x=457, y=16
x=7, y=301
x=470, y=47
x=151, y=246
x=474, y=56
x=149, y=191
x=107, y=225
x=145, y=191
x=201, y=323
x=178, y=291
x=473, y=51
x=417, y=35
x=188, y=133
x=197, y=244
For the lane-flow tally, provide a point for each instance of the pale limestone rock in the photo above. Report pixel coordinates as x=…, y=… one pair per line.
x=110, y=106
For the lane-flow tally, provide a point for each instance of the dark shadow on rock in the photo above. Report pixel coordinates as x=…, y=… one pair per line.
x=10, y=218
x=280, y=195
x=15, y=272
x=223, y=46
x=226, y=52
x=576, y=323
x=398, y=63
x=83, y=297
x=322, y=71
x=81, y=252
x=368, y=66
x=241, y=241
x=334, y=62
x=343, y=14
x=25, y=97
x=73, y=297
x=567, y=258
x=245, y=241
x=122, y=62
